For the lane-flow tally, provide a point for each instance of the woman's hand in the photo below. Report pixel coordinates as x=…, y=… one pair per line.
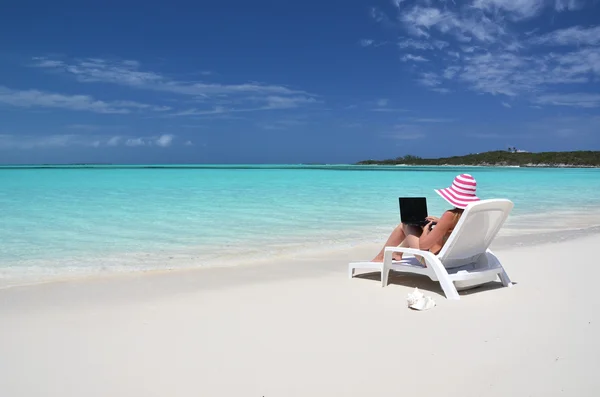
x=427, y=228
x=433, y=219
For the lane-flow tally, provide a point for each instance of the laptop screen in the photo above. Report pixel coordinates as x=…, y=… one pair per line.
x=413, y=209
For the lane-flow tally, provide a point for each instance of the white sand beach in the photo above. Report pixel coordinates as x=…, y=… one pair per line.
x=302, y=328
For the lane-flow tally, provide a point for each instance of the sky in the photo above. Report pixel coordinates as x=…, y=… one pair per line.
x=295, y=82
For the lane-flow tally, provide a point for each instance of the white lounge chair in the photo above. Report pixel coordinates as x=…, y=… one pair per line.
x=464, y=262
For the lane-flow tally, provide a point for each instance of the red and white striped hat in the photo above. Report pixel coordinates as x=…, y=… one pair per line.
x=462, y=191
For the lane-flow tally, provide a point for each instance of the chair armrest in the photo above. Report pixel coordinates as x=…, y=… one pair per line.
x=404, y=250
x=427, y=255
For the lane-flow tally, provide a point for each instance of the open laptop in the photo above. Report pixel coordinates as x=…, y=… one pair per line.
x=413, y=210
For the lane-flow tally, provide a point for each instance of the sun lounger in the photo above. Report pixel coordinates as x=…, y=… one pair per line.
x=464, y=262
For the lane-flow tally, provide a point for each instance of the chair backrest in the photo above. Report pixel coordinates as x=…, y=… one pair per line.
x=474, y=232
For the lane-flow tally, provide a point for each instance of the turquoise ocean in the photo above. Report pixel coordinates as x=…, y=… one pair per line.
x=65, y=221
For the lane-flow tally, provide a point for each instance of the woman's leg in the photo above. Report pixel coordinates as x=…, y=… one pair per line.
x=410, y=241
x=396, y=237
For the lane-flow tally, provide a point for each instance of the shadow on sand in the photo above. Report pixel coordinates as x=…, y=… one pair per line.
x=424, y=283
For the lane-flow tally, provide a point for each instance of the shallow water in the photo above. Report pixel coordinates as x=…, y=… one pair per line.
x=79, y=220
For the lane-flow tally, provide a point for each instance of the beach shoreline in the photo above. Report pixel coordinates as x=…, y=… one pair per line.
x=503, y=241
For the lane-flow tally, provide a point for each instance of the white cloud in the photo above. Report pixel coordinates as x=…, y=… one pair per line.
x=575, y=35
x=429, y=79
x=440, y=44
x=382, y=105
x=425, y=17
x=451, y=71
x=495, y=73
x=24, y=141
x=380, y=17
x=280, y=102
x=581, y=100
x=482, y=46
x=225, y=98
x=414, y=58
x=432, y=120
x=570, y=5
x=516, y=9
x=416, y=44
x=114, y=141
x=36, y=98
x=506, y=73
x=202, y=112
x=135, y=142
x=189, y=143
x=509, y=74
x=165, y=140
x=47, y=63
x=141, y=106
x=366, y=42
x=465, y=27
x=506, y=105
x=264, y=103
x=469, y=49
x=32, y=142
x=128, y=73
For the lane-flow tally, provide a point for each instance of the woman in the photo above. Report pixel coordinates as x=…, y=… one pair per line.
x=459, y=195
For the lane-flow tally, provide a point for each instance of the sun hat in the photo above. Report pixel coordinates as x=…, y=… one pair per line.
x=462, y=191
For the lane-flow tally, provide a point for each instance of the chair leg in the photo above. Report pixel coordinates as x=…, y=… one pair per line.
x=385, y=273
x=442, y=277
x=504, y=278
x=448, y=287
x=385, y=268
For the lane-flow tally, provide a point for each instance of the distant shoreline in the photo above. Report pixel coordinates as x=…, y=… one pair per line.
x=500, y=165
x=578, y=159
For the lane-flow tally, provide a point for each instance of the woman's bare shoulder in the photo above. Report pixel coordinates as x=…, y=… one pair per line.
x=447, y=214
x=447, y=218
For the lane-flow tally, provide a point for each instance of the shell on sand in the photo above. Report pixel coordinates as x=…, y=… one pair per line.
x=417, y=301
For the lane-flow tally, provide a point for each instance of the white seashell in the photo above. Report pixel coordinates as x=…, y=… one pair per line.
x=414, y=297
x=423, y=304
x=416, y=300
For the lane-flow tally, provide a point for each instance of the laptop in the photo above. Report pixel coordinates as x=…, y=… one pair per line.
x=413, y=210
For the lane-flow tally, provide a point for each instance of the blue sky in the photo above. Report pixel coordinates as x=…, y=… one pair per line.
x=289, y=82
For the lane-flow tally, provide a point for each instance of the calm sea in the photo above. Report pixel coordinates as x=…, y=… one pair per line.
x=64, y=221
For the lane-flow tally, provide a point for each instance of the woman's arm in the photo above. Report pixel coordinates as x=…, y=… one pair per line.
x=430, y=237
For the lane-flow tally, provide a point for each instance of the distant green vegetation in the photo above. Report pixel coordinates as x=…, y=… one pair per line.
x=503, y=158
